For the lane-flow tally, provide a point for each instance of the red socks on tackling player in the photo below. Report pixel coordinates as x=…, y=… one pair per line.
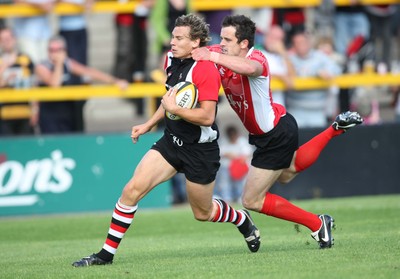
x=281, y=208
x=309, y=152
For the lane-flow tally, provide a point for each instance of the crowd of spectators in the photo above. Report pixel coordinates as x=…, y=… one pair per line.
x=321, y=42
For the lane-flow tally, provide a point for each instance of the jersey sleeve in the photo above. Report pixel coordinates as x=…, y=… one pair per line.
x=207, y=80
x=258, y=56
x=215, y=48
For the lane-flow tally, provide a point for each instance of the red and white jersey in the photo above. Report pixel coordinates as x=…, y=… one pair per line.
x=250, y=97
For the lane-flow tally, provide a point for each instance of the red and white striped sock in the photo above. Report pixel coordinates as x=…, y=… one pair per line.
x=227, y=214
x=121, y=220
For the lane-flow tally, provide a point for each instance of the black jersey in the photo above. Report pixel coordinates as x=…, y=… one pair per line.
x=205, y=76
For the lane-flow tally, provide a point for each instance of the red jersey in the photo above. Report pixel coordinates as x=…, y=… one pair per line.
x=250, y=97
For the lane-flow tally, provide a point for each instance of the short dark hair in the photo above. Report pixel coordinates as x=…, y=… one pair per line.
x=199, y=29
x=245, y=27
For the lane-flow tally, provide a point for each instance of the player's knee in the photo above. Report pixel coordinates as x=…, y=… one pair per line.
x=130, y=193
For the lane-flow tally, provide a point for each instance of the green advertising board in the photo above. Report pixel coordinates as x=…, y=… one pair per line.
x=60, y=174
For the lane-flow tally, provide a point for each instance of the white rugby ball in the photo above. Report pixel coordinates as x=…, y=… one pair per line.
x=186, y=97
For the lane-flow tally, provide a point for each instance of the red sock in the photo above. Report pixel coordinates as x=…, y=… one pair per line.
x=309, y=152
x=281, y=208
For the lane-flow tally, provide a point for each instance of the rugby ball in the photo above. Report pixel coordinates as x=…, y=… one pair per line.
x=186, y=97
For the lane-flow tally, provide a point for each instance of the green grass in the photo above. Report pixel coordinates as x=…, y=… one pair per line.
x=171, y=244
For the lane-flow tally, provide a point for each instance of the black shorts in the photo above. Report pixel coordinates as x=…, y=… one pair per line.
x=275, y=149
x=198, y=161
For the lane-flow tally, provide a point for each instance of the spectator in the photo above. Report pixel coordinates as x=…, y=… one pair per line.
x=2, y=23
x=292, y=21
x=139, y=38
x=74, y=30
x=351, y=35
x=380, y=17
x=279, y=62
x=214, y=18
x=351, y=23
x=324, y=19
x=131, y=46
x=34, y=32
x=309, y=106
x=59, y=117
x=16, y=71
x=162, y=18
x=2, y=20
x=395, y=65
x=123, y=46
x=325, y=45
x=395, y=27
x=396, y=103
x=235, y=155
x=263, y=17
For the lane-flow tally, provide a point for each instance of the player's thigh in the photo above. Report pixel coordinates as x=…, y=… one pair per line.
x=200, y=199
x=288, y=174
x=151, y=171
x=258, y=183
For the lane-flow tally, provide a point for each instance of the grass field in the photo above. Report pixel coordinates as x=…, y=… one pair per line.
x=171, y=244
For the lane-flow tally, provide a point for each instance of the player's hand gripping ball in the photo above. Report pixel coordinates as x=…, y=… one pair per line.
x=186, y=97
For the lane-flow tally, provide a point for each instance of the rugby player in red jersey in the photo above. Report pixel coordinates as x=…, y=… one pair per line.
x=272, y=130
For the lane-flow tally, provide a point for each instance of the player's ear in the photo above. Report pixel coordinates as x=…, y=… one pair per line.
x=195, y=43
x=244, y=44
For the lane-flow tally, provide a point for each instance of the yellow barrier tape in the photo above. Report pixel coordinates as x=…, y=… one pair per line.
x=141, y=90
x=15, y=112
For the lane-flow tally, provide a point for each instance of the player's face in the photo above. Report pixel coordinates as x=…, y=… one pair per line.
x=181, y=44
x=229, y=43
